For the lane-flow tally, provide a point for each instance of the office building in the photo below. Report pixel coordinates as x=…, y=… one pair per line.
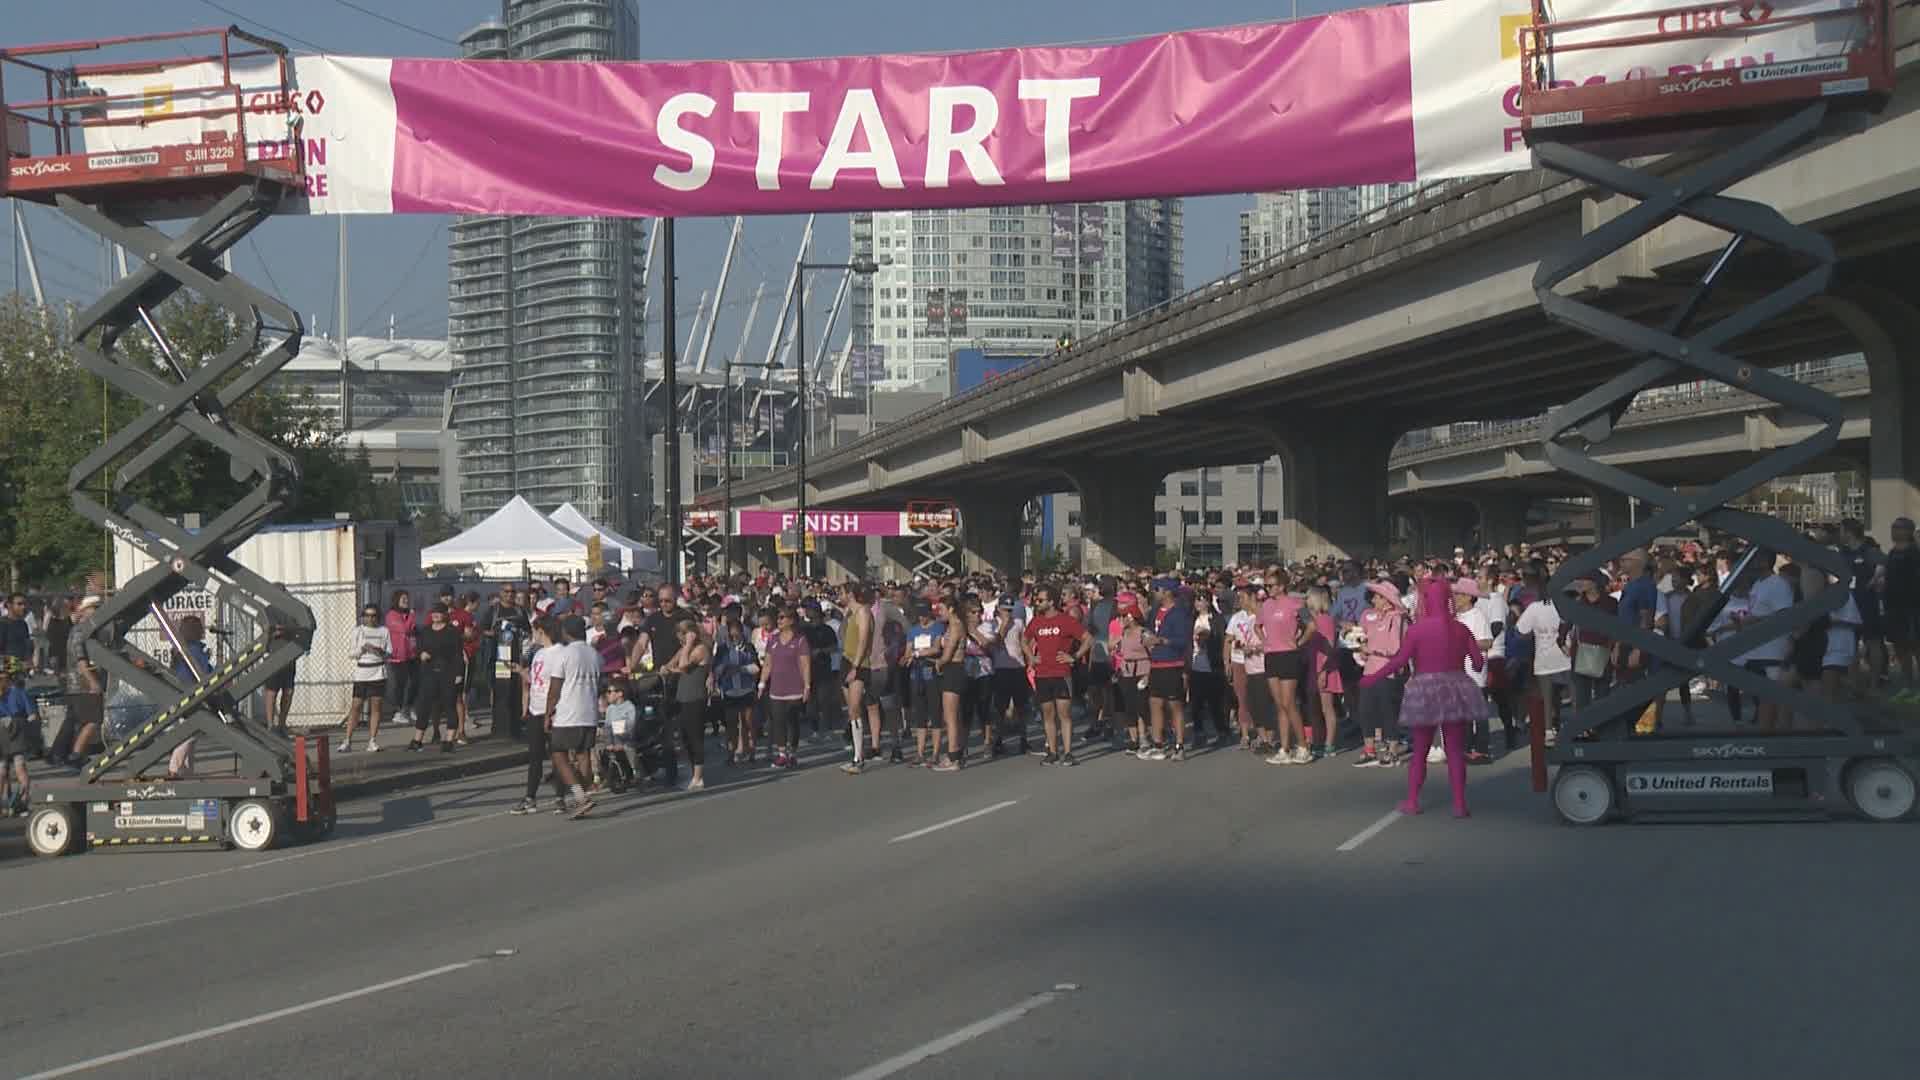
x=1002, y=278
x=545, y=314
x=1286, y=220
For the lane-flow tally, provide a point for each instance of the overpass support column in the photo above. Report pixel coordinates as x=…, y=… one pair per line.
x=897, y=558
x=1503, y=519
x=845, y=557
x=1887, y=326
x=1333, y=489
x=1116, y=520
x=1445, y=525
x=990, y=531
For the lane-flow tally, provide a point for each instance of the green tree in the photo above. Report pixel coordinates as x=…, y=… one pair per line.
x=54, y=413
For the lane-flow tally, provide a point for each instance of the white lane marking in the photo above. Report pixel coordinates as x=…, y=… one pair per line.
x=965, y=1035
x=1371, y=831
x=548, y=837
x=252, y=1021
x=326, y=849
x=918, y=833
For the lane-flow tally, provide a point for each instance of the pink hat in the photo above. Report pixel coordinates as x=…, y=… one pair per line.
x=1385, y=588
x=1466, y=586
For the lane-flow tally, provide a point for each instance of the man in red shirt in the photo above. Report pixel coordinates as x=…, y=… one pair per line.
x=460, y=617
x=1055, y=642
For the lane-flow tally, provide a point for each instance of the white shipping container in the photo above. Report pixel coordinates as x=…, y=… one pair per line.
x=330, y=566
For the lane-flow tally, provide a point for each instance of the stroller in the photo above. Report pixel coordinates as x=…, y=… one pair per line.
x=647, y=750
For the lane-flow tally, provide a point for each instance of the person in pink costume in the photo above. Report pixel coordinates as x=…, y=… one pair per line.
x=1440, y=695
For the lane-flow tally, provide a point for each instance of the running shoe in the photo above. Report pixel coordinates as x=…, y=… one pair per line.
x=1178, y=753
x=1479, y=758
x=582, y=810
x=853, y=768
x=1067, y=760
x=525, y=806
x=698, y=783
x=563, y=807
x=1154, y=753
x=1278, y=757
x=1369, y=759
x=946, y=765
x=1436, y=755
x=1302, y=756
x=1048, y=759
x=345, y=747
x=372, y=747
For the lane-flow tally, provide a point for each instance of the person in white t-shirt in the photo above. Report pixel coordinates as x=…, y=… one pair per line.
x=1843, y=647
x=573, y=711
x=1466, y=609
x=540, y=660
x=1012, y=694
x=1243, y=643
x=1552, y=668
x=367, y=651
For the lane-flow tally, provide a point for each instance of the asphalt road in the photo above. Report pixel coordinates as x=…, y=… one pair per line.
x=1120, y=919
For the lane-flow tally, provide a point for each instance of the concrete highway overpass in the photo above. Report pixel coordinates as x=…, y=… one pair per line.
x=1420, y=318
x=1481, y=487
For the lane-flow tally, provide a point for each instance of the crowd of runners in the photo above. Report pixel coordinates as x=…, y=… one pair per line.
x=1298, y=664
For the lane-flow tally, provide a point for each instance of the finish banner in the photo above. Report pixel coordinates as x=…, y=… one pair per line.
x=823, y=522
x=1401, y=93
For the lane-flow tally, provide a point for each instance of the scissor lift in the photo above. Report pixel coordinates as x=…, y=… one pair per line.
x=1746, y=119
x=180, y=144
x=935, y=526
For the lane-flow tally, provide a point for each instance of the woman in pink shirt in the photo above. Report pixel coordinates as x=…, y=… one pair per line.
x=1377, y=707
x=1440, y=695
x=1280, y=637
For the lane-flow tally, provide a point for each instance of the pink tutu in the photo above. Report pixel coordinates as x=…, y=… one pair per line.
x=1447, y=697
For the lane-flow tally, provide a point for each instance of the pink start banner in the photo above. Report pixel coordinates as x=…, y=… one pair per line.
x=823, y=522
x=1405, y=92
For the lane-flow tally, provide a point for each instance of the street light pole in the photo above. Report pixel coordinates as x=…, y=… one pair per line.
x=726, y=464
x=804, y=558
x=671, y=444
x=862, y=266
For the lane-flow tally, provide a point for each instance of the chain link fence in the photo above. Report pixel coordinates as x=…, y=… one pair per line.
x=323, y=681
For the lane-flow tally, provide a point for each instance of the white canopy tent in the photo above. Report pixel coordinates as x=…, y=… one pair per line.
x=517, y=539
x=639, y=556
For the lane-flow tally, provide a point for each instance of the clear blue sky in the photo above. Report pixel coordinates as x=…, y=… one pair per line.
x=398, y=264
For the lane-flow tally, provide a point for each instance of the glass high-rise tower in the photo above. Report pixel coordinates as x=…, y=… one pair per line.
x=1008, y=273
x=544, y=314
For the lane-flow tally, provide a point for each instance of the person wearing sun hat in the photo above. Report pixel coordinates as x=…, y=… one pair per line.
x=1377, y=704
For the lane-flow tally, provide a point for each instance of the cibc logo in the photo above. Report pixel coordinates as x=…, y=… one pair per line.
x=1697, y=84
x=42, y=168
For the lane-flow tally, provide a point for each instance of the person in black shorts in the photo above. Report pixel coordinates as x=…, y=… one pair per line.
x=1055, y=642
x=279, y=689
x=955, y=683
